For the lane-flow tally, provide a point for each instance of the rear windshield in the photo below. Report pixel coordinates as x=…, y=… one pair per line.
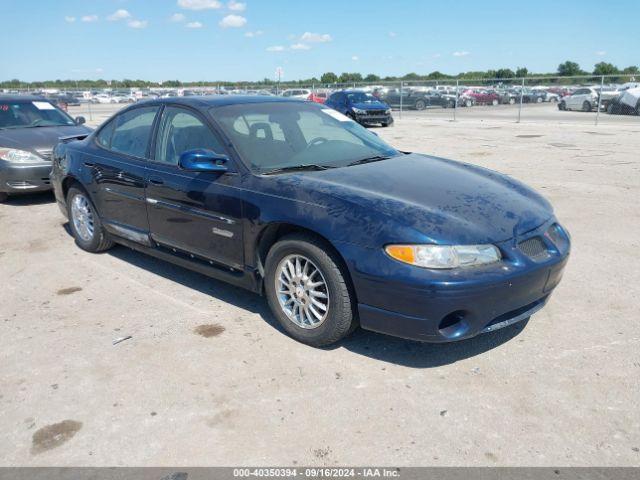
x=31, y=114
x=283, y=134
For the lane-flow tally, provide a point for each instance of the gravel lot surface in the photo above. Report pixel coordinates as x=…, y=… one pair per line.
x=209, y=379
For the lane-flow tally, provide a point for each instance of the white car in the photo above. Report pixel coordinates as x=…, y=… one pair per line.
x=300, y=93
x=103, y=98
x=584, y=99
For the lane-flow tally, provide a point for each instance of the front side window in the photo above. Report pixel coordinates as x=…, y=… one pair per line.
x=181, y=131
x=23, y=114
x=132, y=131
x=278, y=135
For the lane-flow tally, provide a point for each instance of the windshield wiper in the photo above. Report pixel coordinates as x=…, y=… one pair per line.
x=298, y=168
x=374, y=158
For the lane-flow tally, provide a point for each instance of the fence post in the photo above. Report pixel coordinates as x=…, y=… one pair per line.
x=521, y=95
x=455, y=107
x=599, y=98
x=401, y=82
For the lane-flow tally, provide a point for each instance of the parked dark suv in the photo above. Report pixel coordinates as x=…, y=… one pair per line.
x=361, y=106
x=29, y=129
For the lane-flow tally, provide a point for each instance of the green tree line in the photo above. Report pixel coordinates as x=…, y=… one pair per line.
x=565, y=69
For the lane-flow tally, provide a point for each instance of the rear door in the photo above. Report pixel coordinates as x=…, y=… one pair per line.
x=117, y=166
x=193, y=212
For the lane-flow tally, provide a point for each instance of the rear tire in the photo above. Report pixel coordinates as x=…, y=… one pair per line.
x=562, y=106
x=3, y=197
x=494, y=102
x=512, y=101
x=420, y=105
x=85, y=222
x=284, y=290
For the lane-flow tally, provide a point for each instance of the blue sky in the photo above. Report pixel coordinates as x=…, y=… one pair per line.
x=247, y=39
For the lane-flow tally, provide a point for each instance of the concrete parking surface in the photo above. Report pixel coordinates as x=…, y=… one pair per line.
x=208, y=378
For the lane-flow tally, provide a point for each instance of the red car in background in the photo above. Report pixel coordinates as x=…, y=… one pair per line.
x=318, y=97
x=484, y=97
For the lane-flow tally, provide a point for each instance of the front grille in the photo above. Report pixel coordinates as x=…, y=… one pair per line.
x=534, y=248
x=45, y=153
x=375, y=112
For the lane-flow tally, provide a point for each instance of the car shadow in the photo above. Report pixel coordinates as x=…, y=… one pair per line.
x=369, y=344
x=29, y=199
x=414, y=354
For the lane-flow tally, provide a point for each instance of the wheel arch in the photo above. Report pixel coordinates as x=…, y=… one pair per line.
x=274, y=231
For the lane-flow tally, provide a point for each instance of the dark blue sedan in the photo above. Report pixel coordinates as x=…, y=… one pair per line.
x=295, y=201
x=361, y=106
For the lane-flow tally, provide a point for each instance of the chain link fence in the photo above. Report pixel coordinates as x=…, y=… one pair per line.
x=587, y=99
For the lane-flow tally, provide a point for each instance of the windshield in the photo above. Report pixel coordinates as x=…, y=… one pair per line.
x=31, y=114
x=361, y=97
x=276, y=135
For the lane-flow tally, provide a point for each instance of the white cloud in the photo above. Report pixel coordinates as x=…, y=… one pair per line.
x=355, y=58
x=461, y=54
x=257, y=33
x=137, y=23
x=275, y=48
x=315, y=37
x=233, y=21
x=69, y=19
x=393, y=34
x=200, y=4
x=194, y=25
x=177, y=17
x=300, y=46
x=601, y=53
x=119, y=15
x=89, y=18
x=236, y=6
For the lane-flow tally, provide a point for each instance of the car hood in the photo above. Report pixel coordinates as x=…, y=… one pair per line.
x=444, y=201
x=370, y=105
x=39, y=137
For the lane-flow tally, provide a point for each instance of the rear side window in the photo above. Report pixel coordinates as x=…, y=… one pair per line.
x=132, y=131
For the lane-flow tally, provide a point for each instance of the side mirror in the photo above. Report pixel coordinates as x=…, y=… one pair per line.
x=202, y=160
x=80, y=120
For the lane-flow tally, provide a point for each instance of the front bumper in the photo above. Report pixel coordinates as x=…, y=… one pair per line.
x=23, y=178
x=367, y=119
x=448, y=305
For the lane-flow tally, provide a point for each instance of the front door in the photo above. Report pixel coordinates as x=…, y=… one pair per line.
x=193, y=212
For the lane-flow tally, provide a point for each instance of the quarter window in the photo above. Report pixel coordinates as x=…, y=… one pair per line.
x=132, y=131
x=181, y=131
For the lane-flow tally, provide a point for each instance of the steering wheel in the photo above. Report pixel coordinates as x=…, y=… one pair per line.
x=317, y=141
x=37, y=122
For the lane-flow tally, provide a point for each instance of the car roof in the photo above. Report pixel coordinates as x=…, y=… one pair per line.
x=20, y=98
x=221, y=100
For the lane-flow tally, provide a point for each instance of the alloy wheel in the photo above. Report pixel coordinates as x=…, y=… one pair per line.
x=302, y=291
x=82, y=217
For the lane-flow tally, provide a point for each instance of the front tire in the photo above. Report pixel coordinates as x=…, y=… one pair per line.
x=3, y=197
x=308, y=291
x=586, y=107
x=420, y=105
x=85, y=222
x=495, y=102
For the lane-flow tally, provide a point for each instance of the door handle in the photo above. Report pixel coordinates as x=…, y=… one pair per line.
x=89, y=164
x=156, y=181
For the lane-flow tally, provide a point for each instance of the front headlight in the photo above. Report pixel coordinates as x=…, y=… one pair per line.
x=18, y=156
x=444, y=256
x=387, y=111
x=359, y=111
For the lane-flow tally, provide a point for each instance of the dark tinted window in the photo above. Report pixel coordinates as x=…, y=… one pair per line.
x=180, y=131
x=132, y=131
